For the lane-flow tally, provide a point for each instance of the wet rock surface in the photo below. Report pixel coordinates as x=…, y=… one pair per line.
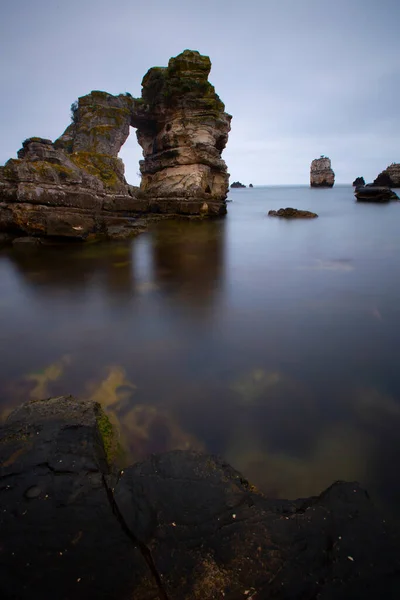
x=292, y=213
x=321, y=173
x=373, y=193
x=76, y=188
x=179, y=525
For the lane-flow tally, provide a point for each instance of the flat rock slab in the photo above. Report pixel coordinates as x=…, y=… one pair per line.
x=292, y=213
x=180, y=525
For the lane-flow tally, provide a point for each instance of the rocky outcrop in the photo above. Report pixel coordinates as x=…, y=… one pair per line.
x=321, y=174
x=237, y=184
x=179, y=525
x=373, y=193
x=250, y=185
x=390, y=177
x=292, y=213
x=358, y=181
x=75, y=187
x=183, y=128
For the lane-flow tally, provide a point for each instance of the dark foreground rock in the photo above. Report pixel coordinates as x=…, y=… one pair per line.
x=372, y=193
x=237, y=184
x=358, y=181
x=292, y=213
x=178, y=526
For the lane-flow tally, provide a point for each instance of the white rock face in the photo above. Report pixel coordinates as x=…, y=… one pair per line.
x=321, y=173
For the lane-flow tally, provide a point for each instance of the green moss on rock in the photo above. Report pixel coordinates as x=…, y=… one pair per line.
x=107, y=435
x=102, y=166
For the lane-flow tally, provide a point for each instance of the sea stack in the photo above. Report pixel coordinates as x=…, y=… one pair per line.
x=358, y=181
x=389, y=177
x=321, y=173
x=75, y=186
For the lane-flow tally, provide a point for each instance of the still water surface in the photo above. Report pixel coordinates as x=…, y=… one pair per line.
x=272, y=343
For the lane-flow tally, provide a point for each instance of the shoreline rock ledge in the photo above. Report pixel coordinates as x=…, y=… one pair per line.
x=75, y=186
x=179, y=525
x=321, y=173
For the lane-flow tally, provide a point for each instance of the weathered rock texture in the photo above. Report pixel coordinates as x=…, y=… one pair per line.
x=321, y=174
x=182, y=128
x=373, y=193
x=390, y=176
x=358, y=181
x=180, y=525
x=75, y=187
x=292, y=213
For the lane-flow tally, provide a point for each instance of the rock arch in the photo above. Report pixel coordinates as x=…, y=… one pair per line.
x=75, y=187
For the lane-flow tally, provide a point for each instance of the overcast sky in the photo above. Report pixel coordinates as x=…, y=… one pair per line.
x=300, y=77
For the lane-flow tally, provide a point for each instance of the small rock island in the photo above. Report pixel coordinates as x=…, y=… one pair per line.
x=292, y=213
x=75, y=187
x=321, y=173
x=237, y=184
x=358, y=181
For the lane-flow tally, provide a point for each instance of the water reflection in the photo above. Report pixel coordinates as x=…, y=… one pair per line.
x=273, y=345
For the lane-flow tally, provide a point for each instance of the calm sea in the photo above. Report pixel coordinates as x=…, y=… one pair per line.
x=272, y=343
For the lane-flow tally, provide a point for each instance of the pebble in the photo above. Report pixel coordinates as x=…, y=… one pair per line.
x=33, y=492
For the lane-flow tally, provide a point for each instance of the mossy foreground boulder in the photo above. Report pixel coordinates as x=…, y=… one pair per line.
x=180, y=525
x=75, y=187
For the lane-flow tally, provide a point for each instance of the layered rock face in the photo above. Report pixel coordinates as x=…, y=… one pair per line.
x=321, y=173
x=182, y=128
x=75, y=187
x=390, y=176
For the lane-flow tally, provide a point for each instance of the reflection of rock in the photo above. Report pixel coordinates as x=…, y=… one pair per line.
x=321, y=174
x=292, y=213
x=370, y=193
x=189, y=517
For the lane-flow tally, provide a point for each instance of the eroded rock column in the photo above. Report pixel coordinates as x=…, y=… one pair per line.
x=183, y=128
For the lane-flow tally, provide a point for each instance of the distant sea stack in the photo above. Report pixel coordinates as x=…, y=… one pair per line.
x=237, y=184
x=321, y=174
x=390, y=176
x=358, y=181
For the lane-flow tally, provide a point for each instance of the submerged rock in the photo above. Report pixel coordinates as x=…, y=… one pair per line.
x=179, y=525
x=292, y=213
x=75, y=187
x=373, y=193
x=358, y=181
x=321, y=173
x=237, y=184
x=390, y=177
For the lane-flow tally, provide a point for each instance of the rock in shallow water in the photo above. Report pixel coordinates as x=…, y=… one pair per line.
x=321, y=173
x=179, y=525
x=373, y=193
x=292, y=213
